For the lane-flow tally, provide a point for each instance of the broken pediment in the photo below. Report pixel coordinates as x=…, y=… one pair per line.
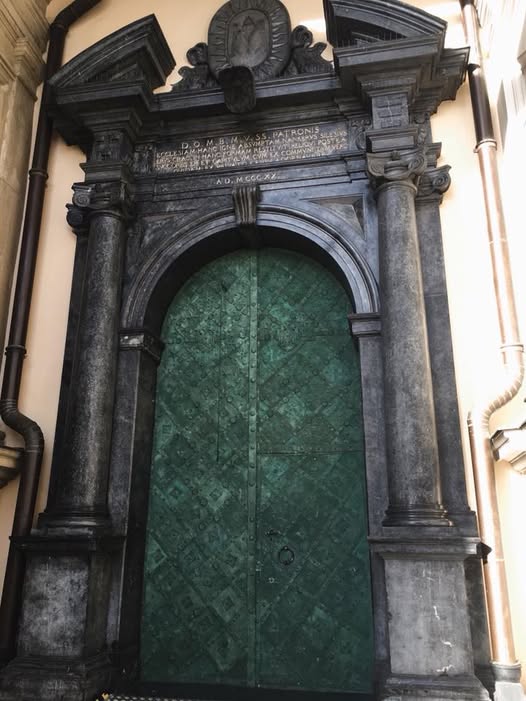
x=137, y=53
x=358, y=22
x=387, y=51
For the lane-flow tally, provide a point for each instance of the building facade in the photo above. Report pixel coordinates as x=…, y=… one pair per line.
x=298, y=511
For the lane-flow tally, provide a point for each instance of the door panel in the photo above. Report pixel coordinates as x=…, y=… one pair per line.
x=257, y=568
x=313, y=583
x=195, y=606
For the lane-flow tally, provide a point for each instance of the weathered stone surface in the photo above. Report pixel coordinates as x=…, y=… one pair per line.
x=431, y=190
x=412, y=454
x=80, y=496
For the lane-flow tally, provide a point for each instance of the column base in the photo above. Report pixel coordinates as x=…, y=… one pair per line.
x=509, y=691
x=400, y=515
x=48, y=679
x=465, y=521
x=441, y=688
x=507, y=682
x=74, y=523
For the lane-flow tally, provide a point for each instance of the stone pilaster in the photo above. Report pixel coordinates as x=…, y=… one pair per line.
x=79, y=499
x=430, y=650
x=434, y=183
x=412, y=453
x=366, y=329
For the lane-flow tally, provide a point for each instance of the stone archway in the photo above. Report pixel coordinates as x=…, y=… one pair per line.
x=318, y=148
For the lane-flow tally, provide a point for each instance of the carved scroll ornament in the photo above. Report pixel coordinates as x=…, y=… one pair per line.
x=396, y=167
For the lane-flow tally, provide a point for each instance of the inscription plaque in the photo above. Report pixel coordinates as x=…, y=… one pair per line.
x=258, y=148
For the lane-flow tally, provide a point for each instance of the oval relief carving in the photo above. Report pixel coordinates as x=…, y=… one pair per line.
x=251, y=33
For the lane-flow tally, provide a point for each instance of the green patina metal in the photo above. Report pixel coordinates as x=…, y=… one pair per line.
x=257, y=566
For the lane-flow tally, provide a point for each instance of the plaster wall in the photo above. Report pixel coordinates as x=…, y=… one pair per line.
x=473, y=314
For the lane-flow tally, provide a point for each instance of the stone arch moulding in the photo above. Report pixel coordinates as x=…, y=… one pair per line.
x=335, y=248
x=339, y=156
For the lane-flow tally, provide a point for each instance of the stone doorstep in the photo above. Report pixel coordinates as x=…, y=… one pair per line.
x=118, y=697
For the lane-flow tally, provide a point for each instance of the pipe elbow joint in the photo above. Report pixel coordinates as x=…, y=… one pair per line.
x=22, y=424
x=72, y=13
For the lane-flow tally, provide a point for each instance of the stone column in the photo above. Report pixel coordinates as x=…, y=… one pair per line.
x=79, y=499
x=62, y=640
x=412, y=453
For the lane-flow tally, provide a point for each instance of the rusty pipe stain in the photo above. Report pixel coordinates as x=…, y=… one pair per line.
x=497, y=597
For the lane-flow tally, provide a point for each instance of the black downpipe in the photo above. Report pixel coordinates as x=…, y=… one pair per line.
x=16, y=350
x=478, y=90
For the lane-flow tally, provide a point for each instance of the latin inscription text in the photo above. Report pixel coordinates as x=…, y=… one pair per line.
x=237, y=150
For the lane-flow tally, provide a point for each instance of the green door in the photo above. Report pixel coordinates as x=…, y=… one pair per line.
x=257, y=567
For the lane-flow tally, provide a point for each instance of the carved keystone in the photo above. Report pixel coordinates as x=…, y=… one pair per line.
x=246, y=199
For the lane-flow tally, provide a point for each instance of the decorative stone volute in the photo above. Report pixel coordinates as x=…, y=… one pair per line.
x=395, y=166
x=434, y=183
x=88, y=199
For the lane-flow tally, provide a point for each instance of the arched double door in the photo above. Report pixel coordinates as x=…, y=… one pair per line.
x=257, y=565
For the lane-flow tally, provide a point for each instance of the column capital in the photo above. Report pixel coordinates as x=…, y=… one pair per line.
x=433, y=185
x=396, y=167
x=111, y=198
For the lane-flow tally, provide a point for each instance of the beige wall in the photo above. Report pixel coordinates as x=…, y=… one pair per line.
x=473, y=312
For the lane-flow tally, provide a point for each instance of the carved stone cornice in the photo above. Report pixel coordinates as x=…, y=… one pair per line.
x=142, y=341
x=433, y=185
x=365, y=325
x=111, y=83
x=396, y=167
x=387, y=51
x=112, y=198
x=23, y=33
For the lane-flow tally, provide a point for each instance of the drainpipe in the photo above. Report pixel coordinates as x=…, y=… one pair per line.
x=16, y=351
x=505, y=665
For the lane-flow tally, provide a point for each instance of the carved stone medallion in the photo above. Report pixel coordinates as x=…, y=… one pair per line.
x=251, y=33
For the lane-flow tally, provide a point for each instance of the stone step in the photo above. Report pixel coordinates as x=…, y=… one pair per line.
x=119, y=697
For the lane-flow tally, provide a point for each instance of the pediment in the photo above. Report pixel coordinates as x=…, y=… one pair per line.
x=358, y=22
x=136, y=53
x=386, y=46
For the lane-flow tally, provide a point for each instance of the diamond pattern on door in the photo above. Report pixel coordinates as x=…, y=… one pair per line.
x=257, y=569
